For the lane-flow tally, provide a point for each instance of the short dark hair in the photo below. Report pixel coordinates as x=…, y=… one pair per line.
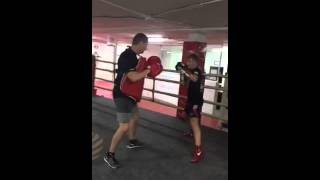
x=140, y=37
x=194, y=57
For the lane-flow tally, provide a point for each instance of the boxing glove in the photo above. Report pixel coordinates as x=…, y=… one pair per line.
x=183, y=69
x=180, y=66
x=155, y=65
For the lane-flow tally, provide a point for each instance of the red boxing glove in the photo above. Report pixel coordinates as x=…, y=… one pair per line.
x=155, y=66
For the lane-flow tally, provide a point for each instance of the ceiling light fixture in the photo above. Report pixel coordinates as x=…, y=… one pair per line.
x=154, y=35
x=157, y=39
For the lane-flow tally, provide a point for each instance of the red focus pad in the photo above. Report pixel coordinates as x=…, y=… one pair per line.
x=155, y=66
x=134, y=89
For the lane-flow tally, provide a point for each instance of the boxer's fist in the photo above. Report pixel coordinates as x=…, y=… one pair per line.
x=155, y=65
x=180, y=66
x=183, y=69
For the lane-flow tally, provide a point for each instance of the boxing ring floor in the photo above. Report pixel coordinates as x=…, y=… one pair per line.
x=167, y=152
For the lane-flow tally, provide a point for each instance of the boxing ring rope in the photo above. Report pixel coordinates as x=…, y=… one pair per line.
x=167, y=80
x=153, y=91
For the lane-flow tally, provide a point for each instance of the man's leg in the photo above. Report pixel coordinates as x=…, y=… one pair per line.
x=197, y=152
x=194, y=122
x=133, y=142
x=116, y=139
x=189, y=133
x=123, y=115
x=122, y=130
x=133, y=125
x=195, y=116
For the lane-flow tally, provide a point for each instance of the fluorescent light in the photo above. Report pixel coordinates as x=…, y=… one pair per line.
x=157, y=39
x=154, y=35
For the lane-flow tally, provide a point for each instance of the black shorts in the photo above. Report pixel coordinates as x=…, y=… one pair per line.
x=125, y=108
x=193, y=112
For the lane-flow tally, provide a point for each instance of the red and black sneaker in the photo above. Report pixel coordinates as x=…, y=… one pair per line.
x=197, y=154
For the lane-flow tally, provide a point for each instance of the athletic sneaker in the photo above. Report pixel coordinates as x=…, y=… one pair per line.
x=197, y=155
x=110, y=159
x=134, y=144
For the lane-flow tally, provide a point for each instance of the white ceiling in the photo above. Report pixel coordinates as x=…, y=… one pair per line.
x=121, y=19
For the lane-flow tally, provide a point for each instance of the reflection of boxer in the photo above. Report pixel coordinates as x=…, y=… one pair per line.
x=194, y=103
x=127, y=111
